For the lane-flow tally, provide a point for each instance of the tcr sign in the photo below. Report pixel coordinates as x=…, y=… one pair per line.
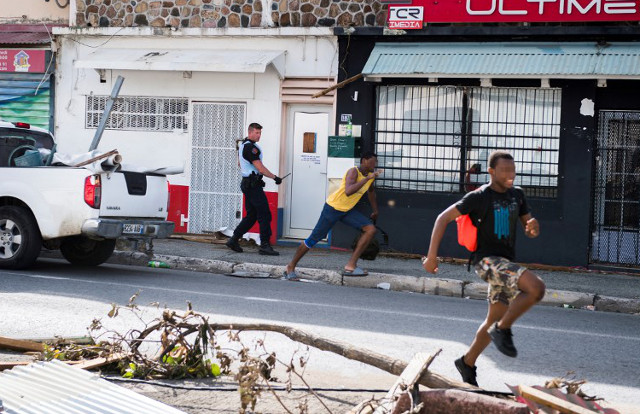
x=406, y=17
x=485, y=11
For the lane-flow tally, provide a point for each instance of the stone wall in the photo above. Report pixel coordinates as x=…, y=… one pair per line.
x=229, y=13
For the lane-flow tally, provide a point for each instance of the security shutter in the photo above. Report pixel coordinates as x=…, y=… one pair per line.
x=215, y=199
x=26, y=97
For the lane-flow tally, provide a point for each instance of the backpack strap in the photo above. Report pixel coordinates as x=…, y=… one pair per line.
x=485, y=206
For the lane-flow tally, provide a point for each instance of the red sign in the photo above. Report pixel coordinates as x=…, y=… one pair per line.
x=22, y=60
x=485, y=11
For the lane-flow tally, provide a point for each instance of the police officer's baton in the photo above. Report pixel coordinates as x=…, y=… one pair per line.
x=285, y=176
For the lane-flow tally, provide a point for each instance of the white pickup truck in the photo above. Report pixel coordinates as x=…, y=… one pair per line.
x=71, y=208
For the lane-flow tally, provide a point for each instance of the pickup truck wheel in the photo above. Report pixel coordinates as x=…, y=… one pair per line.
x=20, y=240
x=82, y=251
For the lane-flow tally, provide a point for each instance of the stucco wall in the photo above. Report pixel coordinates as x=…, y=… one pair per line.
x=29, y=11
x=315, y=55
x=228, y=13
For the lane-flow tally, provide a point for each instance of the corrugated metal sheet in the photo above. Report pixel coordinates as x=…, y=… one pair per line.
x=523, y=60
x=55, y=387
x=200, y=60
x=22, y=38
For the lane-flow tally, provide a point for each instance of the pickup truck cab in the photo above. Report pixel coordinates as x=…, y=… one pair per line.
x=79, y=211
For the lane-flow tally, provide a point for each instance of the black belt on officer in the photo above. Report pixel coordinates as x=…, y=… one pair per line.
x=252, y=181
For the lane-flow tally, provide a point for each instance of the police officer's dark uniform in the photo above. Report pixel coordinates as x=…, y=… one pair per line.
x=256, y=202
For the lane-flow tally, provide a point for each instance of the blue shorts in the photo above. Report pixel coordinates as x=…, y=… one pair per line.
x=329, y=217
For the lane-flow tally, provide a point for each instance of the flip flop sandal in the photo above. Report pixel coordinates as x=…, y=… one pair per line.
x=292, y=276
x=355, y=272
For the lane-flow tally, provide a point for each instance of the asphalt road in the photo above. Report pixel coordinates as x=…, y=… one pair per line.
x=54, y=298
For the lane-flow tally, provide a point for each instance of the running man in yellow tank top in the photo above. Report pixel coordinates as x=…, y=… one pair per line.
x=339, y=207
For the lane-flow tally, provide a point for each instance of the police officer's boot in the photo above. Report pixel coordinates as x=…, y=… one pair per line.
x=233, y=244
x=267, y=250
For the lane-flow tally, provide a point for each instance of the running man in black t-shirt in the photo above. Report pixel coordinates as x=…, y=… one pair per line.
x=495, y=208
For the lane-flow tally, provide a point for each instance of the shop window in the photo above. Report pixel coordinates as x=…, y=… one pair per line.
x=438, y=138
x=139, y=113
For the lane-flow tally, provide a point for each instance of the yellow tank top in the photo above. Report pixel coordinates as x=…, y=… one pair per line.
x=341, y=201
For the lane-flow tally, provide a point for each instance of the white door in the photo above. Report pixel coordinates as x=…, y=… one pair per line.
x=308, y=132
x=215, y=199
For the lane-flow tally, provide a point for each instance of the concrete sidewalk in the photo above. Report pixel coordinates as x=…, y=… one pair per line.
x=610, y=292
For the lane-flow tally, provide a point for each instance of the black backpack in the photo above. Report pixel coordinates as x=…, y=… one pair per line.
x=371, y=251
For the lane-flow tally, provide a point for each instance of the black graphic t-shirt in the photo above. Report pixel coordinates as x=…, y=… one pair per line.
x=496, y=215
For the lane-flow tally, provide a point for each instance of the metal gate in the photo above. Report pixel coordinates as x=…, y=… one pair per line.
x=616, y=219
x=26, y=97
x=215, y=200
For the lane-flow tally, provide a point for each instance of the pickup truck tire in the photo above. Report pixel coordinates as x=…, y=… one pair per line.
x=83, y=251
x=20, y=240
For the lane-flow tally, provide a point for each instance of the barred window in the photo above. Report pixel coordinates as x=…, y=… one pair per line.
x=438, y=138
x=133, y=113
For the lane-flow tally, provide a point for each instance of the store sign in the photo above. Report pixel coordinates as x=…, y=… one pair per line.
x=22, y=60
x=406, y=17
x=491, y=11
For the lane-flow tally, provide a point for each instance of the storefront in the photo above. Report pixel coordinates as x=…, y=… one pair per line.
x=26, y=94
x=188, y=98
x=436, y=99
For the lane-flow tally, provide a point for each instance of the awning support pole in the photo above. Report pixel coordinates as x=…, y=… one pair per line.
x=107, y=111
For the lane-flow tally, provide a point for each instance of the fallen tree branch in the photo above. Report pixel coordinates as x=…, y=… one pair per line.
x=383, y=362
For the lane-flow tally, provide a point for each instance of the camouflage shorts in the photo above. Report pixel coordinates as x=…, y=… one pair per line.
x=502, y=276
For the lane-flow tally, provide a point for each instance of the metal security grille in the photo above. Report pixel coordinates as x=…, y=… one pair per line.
x=616, y=219
x=418, y=137
x=438, y=138
x=215, y=200
x=139, y=113
x=523, y=121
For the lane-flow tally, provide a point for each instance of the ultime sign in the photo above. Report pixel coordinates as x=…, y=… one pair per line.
x=406, y=17
x=485, y=11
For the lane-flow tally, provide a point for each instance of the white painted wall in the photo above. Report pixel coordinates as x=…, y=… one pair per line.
x=309, y=52
x=28, y=11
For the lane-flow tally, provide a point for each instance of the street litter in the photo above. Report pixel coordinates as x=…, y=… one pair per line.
x=158, y=263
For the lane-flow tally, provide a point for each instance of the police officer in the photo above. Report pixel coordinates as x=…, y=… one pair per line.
x=255, y=201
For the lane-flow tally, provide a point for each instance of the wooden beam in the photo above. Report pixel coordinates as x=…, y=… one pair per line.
x=9, y=365
x=20, y=344
x=98, y=362
x=337, y=85
x=97, y=158
x=412, y=373
x=78, y=340
x=552, y=401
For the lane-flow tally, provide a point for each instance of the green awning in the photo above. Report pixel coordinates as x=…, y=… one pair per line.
x=504, y=60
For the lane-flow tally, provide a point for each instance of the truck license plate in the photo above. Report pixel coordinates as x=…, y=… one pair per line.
x=132, y=229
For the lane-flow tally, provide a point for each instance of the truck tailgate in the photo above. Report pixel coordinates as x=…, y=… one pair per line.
x=129, y=194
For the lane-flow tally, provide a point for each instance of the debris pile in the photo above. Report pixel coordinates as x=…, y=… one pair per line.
x=179, y=345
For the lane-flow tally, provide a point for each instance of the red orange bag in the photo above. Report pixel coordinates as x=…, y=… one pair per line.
x=467, y=232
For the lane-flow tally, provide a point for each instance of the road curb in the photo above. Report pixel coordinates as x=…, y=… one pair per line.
x=613, y=304
x=424, y=285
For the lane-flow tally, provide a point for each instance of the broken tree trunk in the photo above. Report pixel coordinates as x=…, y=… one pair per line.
x=383, y=362
x=460, y=402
